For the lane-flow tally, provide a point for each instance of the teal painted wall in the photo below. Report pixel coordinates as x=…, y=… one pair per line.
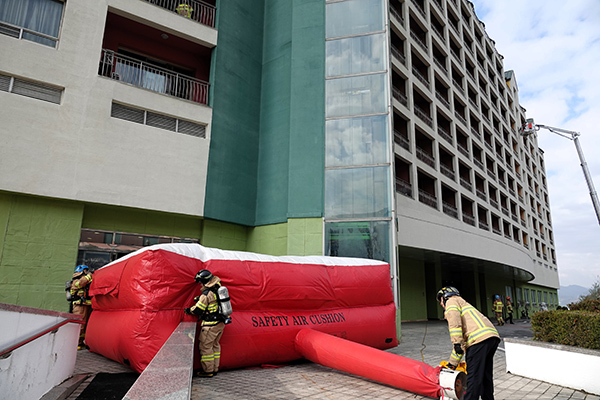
x=267, y=141
x=235, y=98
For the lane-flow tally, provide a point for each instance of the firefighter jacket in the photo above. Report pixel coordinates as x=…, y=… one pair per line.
x=80, y=286
x=509, y=307
x=207, y=306
x=498, y=306
x=467, y=326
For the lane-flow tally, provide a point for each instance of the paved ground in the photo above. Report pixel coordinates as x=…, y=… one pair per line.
x=424, y=341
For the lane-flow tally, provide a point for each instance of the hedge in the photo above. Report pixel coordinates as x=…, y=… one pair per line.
x=572, y=328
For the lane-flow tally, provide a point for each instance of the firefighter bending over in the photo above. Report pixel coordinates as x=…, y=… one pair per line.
x=213, y=323
x=473, y=333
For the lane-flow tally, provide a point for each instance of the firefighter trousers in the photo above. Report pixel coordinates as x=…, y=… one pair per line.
x=210, y=348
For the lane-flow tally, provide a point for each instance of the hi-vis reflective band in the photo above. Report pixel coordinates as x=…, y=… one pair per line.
x=456, y=356
x=456, y=332
x=472, y=311
x=480, y=332
x=208, y=357
x=217, y=355
x=212, y=308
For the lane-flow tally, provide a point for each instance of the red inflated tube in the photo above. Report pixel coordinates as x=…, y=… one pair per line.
x=377, y=365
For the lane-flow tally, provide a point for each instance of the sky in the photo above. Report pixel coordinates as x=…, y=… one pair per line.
x=553, y=46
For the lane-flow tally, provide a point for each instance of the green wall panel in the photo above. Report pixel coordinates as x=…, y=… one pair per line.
x=38, y=249
x=223, y=235
x=133, y=220
x=413, y=303
x=298, y=236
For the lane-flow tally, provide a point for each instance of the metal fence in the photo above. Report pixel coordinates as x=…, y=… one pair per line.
x=151, y=77
x=193, y=9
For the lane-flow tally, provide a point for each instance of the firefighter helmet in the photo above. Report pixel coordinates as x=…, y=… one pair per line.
x=447, y=291
x=203, y=276
x=80, y=268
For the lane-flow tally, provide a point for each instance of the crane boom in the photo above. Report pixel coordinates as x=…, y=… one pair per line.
x=531, y=128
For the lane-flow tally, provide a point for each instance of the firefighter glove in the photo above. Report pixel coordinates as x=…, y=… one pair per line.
x=188, y=311
x=458, y=348
x=196, y=298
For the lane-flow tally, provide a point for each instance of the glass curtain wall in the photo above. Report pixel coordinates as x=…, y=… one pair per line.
x=359, y=202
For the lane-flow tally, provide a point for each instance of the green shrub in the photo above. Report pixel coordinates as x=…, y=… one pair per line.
x=586, y=305
x=572, y=328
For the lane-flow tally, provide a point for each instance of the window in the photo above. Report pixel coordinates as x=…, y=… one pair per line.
x=35, y=20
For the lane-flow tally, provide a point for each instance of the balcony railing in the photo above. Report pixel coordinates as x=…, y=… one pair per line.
x=195, y=10
x=418, y=40
x=151, y=77
x=403, y=187
x=425, y=157
x=398, y=54
x=466, y=184
x=444, y=169
x=424, y=116
x=401, y=140
x=469, y=219
x=427, y=198
x=398, y=95
x=442, y=99
x=420, y=76
x=449, y=209
x=445, y=134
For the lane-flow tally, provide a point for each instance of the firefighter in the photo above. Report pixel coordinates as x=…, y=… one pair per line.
x=206, y=309
x=471, y=333
x=497, y=307
x=509, y=310
x=82, y=303
x=184, y=10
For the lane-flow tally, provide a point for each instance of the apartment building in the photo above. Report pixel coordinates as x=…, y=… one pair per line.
x=356, y=128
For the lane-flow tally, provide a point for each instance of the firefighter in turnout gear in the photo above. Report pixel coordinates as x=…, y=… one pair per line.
x=82, y=303
x=509, y=311
x=472, y=334
x=206, y=309
x=497, y=307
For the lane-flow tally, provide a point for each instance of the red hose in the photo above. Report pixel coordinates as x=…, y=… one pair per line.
x=377, y=365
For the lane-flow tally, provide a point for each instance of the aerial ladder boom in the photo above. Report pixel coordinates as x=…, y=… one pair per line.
x=530, y=128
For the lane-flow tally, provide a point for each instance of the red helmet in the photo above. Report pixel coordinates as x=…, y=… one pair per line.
x=507, y=298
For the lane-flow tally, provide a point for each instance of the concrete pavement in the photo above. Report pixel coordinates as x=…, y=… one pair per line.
x=424, y=341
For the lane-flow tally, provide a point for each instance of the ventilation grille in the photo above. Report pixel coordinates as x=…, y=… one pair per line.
x=31, y=89
x=160, y=121
x=127, y=113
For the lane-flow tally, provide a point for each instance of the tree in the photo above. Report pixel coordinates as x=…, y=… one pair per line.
x=594, y=293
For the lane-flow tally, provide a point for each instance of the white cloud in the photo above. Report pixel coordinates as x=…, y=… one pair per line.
x=554, y=48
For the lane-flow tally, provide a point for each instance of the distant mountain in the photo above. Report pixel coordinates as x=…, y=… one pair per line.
x=571, y=293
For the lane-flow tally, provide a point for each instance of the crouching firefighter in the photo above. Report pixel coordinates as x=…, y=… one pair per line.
x=214, y=310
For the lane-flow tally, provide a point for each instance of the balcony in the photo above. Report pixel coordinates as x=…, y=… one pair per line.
x=401, y=140
x=469, y=219
x=151, y=77
x=194, y=10
x=445, y=134
x=423, y=116
x=447, y=171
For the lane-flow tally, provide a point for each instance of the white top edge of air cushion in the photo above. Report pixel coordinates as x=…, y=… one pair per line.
x=204, y=254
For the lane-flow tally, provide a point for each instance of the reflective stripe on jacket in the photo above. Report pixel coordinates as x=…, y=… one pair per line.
x=80, y=287
x=467, y=325
x=498, y=306
x=207, y=306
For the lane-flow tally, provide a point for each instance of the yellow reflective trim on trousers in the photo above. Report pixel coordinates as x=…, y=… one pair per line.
x=208, y=357
x=217, y=355
x=472, y=311
x=479, y=332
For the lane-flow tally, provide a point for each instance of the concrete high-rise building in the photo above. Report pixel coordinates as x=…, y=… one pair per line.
x=362, y=128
